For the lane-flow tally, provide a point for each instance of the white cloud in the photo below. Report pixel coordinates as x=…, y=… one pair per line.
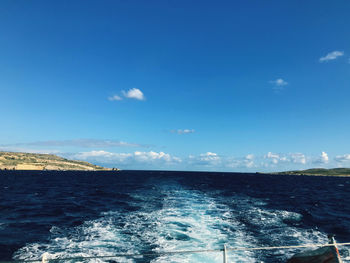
x=206, y=161
x=323, y=158
x=249, y=161
x=152, y=156
x=342, y=158
x=115, y=97
x=245, y=162
x=298, y=158
x=135, y=158
x=208, y=158
x=184, y=131
x=271, y=155
x=279, y=82
x=213, y=160
x=249, y=157
x=134, y=94
x=332, y=55
x=275, y=158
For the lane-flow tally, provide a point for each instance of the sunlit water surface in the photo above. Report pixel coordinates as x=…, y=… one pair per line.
x=71, y=214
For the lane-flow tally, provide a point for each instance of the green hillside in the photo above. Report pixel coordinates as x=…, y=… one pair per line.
x=320, y=172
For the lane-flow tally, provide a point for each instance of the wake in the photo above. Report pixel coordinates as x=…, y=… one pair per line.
x=171, y=217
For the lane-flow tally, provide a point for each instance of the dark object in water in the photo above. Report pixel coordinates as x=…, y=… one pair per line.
x=321, y=255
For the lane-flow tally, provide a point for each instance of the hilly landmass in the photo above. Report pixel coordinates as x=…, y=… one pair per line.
x=320, y=172
x=35, y=161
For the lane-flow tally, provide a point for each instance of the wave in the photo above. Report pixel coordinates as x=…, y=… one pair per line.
x=171, y=217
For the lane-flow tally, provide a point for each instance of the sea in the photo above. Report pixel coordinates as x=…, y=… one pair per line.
x=72, y=214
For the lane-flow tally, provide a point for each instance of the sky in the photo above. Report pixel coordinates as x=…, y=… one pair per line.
x=239, y=86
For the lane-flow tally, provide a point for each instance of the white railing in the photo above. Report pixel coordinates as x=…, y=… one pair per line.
x=45, y=257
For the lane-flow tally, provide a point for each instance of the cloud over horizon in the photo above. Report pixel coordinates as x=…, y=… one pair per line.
x=127, y=159
x=322, y=159
x=294, y=158
x=342, y=158
x=208, y=160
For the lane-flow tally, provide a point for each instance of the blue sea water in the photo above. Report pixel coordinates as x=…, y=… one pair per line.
x=69, y=214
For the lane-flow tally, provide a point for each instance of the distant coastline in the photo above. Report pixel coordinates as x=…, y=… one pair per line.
x=49, y=162
x=335, y=172
x=41, y=162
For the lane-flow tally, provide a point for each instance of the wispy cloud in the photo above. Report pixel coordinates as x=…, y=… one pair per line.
x=85, y=143
x=278, y=84
x=296, y=158
x=207, y=159
x=134, y=94
x=331, y=56
x=129, y=94
x=27, y=150
x=183, y=131
x=115, y=97
x=342, y=158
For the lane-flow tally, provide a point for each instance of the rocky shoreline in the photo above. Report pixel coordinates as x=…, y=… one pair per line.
x=34, y=161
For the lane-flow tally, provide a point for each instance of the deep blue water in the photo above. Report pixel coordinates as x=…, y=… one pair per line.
x=103, y=213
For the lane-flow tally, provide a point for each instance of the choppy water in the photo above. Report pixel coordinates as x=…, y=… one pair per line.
x=103, y=213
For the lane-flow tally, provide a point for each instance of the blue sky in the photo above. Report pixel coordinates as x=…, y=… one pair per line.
x=178, y=85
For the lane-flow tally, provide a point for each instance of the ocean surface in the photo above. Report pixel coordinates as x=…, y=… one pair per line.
x=69, y=214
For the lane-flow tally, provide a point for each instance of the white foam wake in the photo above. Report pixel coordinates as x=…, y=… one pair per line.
x=191, y=220
x=185, y=220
